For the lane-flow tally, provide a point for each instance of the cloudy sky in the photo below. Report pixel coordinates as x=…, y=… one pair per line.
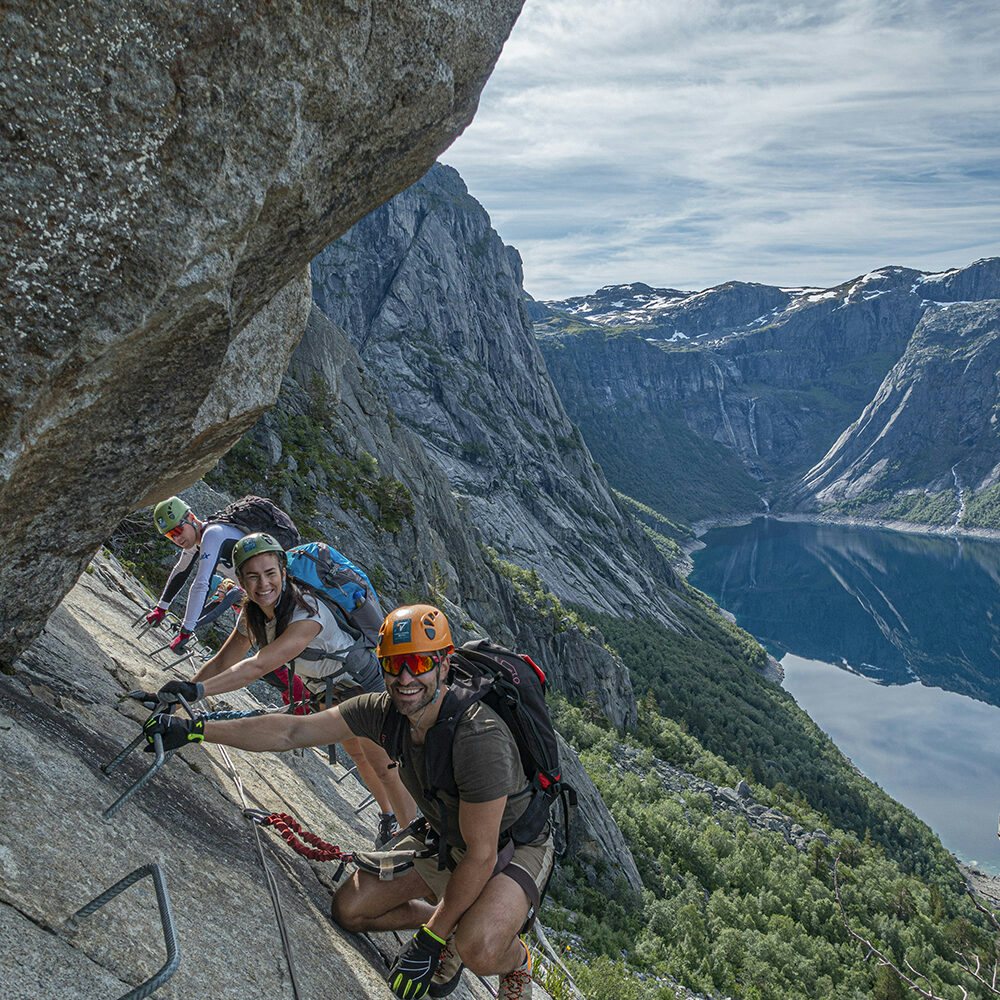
x=688, y=142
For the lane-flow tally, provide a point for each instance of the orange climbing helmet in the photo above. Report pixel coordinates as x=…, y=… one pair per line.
x=414, y=628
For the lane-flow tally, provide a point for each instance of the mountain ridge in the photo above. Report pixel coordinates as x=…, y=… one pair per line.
x=435, y=307
x=763, y=404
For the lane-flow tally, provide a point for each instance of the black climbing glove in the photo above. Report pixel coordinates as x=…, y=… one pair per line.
x=410, y=977
x=176, y=732
x=151, y=700
x=190, y=691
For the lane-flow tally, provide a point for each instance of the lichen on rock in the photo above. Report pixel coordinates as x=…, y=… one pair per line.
x=169, y=169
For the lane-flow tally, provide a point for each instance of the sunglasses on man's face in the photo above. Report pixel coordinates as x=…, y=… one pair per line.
x=416, y=663
x=174, y=534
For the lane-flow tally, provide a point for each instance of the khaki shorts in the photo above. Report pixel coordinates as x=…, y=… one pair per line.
x=535, y=859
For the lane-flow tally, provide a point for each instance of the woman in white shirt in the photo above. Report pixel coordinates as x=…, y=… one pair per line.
x=285, y=621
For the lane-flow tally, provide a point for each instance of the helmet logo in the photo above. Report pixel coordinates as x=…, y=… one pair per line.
x=402, y=631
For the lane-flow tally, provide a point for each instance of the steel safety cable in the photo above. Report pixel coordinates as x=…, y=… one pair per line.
x=272, y=885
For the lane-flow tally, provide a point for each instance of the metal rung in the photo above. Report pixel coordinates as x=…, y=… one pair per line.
x=347, y=774
x=141, y=618
x=364, y=805
x=115, y=762
x=160, y=759
x=173, y=962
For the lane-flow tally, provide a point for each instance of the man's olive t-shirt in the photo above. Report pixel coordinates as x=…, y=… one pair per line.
x=485, y=761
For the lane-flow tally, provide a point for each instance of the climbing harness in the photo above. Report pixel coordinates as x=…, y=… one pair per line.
x=386, y=865
x=291, y=831
x=152, y=984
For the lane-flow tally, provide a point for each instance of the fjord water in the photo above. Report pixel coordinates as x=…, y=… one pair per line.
x=891, y=642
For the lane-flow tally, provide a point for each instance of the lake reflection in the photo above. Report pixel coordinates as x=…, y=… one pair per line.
x=895, y=609
x=934, y=751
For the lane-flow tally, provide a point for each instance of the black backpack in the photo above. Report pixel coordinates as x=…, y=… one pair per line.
x=252, y=514
x=514, y=687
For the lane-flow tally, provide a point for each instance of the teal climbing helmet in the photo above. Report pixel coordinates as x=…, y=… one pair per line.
x=255, y=545
x=168, y=514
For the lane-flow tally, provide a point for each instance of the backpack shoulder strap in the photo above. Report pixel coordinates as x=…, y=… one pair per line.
x=391, y=736
x=440, y=740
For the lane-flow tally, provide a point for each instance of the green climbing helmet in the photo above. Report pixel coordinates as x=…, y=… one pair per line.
x=255, y=545
x=168, y=514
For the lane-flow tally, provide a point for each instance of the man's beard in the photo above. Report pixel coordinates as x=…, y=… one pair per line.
x=411, y=707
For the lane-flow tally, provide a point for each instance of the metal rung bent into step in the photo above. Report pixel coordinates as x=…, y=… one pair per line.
x=173, y=962
x=159, y=760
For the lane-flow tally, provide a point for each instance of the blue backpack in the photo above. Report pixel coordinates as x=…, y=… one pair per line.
x=344, y=588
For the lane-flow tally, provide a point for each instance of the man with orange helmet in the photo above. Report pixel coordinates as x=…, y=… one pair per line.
x=477, y=917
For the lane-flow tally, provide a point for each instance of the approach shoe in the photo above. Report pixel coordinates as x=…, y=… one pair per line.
x=449, y=970
x=516, y=985
x=387, y=829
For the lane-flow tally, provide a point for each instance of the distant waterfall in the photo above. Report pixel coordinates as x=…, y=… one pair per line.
x=960, y=491
x=719, y=386
x=752, y=423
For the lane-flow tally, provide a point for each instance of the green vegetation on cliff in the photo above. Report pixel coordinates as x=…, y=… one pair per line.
x=314, y=460
x=660, y=461
x=530, y=589
x=728, y=908
x=663, y=532
x=919, y=507
x=709, y=681
x=143, y=552
x=983, y=509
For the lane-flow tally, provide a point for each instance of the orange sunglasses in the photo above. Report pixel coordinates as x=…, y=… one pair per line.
x=416, y=663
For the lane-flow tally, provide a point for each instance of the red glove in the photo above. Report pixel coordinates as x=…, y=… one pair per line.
x=156, y=616
x=180, y=640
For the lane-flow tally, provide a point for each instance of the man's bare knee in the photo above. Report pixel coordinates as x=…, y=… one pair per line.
x=481, y=955
x=344, y=909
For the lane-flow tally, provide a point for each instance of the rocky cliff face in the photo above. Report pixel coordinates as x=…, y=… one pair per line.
x=169, y=172
x=432, y=298
x=931, y=426
x=729, y=427
x=333, y=452
x=62, y=715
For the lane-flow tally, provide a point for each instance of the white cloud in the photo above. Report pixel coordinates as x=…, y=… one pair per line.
x=689, y=143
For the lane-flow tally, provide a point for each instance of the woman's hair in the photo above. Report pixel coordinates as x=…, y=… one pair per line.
x=292, y=596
